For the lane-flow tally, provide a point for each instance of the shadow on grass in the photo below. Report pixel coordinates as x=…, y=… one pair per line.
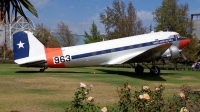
x=27, y=72
x=51, y=72
x=144, y=76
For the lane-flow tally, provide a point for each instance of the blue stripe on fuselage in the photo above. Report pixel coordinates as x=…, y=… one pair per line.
x=123, y=48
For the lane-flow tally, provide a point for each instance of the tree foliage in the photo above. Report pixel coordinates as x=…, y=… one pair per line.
x=5, y=52
x=121, y=22
x=175, y=17
x=192, y=50
x=64, y=35
x=16, y=6
x=95, y=35
x=45, y=36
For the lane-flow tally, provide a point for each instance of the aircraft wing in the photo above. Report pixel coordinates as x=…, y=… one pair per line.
x=150, y=54
x=142, y=56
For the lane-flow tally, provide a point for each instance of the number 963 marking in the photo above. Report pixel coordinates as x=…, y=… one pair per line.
x=61, y=59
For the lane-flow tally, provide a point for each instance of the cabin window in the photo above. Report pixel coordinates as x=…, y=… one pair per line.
x=127, y=47
x=117, y=49
x=94, y=53
x=144, y=44
x=148, y=43
x=112, y=50
x=135, y=46
x=98, y=52
x=139, y=45
x=107, y=51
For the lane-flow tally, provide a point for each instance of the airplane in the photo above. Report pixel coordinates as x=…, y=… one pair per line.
x=165, y=45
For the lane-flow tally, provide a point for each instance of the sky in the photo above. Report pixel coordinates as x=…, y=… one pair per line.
x=79, y=14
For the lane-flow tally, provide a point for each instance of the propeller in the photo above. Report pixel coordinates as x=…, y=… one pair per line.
x=183, y=43
x=182, y=55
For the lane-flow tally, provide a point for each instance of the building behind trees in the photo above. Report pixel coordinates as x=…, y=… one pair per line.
x=7, y=30
x=196, y=21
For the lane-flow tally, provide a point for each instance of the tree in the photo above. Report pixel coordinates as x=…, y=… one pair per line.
x=121, y=23
x=95, y=35
x=45, y=36
x=16, y=5
x=173, y=17
x=150, y=28
x=64, y=35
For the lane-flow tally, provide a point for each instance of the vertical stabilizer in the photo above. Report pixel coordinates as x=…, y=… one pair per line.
x=25, y=44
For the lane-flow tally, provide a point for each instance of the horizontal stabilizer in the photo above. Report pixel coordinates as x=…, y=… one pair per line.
x=33, y=63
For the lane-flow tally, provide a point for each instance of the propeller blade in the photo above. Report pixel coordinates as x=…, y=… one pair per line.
x=182, y=55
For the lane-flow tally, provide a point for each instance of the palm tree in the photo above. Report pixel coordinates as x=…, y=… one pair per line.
x=16, y=6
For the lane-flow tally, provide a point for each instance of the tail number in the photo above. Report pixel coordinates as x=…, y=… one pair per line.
x=61, y=59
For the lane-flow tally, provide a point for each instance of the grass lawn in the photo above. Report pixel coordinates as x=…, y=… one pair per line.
x=26, y=89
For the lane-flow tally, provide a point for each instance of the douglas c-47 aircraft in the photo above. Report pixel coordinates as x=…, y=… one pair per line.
x=29, y=52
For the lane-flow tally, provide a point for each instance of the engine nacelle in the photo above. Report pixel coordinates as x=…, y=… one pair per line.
x=171, y=53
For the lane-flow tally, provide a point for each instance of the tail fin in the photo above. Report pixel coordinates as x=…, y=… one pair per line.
x=25, y=44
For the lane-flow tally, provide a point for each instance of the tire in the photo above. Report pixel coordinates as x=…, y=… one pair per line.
x=155, y=70
x=41, y=70
x=139, y=69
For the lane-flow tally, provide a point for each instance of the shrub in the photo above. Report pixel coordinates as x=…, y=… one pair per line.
x=82, y=102
x=145, y=100
x=187, y=99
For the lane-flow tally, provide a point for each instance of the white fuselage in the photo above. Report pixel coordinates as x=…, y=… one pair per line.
x=115, y=51
x=109, y=52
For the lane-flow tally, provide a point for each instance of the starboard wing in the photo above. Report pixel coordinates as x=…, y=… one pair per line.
x=151, y=54
x=142, y=56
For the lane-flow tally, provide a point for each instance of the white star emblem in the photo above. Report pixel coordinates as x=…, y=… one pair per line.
x=21, y=44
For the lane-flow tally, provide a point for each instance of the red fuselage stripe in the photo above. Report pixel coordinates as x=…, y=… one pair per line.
x=53, y=52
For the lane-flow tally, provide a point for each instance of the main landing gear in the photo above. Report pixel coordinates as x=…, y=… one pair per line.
x=154, y=70
x=43, y=69
x=139, y=69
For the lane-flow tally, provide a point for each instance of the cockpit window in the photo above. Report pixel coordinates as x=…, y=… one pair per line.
x=176, y=36
x=171, y=36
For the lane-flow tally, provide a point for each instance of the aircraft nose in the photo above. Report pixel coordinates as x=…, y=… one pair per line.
x=183, y=43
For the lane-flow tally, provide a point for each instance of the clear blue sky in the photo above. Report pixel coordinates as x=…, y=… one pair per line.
x=79, y=14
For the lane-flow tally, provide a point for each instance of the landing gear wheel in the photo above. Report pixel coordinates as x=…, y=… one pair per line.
x=139, y=69
x=42, y=69
x=155, y=70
